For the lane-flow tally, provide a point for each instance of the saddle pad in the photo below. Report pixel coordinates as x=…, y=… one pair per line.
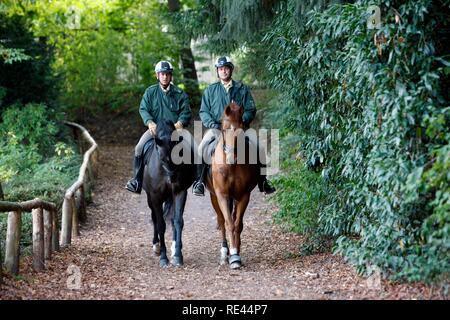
x=148, y=146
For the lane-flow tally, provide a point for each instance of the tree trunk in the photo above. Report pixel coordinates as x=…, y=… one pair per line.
x=190, y=78
x=2, y=196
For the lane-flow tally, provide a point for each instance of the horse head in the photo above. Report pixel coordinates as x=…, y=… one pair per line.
x=232, y=128
x=165, y=142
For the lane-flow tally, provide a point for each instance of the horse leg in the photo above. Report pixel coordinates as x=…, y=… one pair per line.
x=168, y=206
x=180, y=202
x=156, y=246
x=221, y=227
x=161, y=226
x=229, y=226
x=240, y=208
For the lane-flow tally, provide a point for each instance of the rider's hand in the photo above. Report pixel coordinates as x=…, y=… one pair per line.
x=179, y=125
x=152, y=128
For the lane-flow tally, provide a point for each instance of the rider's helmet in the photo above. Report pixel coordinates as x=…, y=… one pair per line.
x=164, y=66
x=224, y=61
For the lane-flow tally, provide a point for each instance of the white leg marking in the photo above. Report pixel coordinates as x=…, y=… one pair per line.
x=157, y=248
x=172, y=249
x=223, y=255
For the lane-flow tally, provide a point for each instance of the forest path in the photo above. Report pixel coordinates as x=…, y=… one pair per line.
x=115, y=259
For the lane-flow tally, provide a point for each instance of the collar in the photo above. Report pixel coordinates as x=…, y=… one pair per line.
x=228, y=85
x=165, y=90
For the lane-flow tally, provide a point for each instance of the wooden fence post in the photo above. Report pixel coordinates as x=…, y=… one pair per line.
x=75, y=224
x=48, y=234
x=55, y=231
x=95, y=162
x=38, y=240
x=81, y=204
x=66, y=222
x=13, y=242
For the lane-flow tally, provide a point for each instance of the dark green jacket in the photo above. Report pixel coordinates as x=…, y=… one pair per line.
x=215, y=98
x=157, y=105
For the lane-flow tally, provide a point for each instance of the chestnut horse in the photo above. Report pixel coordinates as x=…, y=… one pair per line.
x=230, y=183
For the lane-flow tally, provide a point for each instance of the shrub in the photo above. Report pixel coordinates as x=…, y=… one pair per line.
x=376, y=125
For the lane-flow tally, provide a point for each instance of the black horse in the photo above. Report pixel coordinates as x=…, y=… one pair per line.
x=166, y=181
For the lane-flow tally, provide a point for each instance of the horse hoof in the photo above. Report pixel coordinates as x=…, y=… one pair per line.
x=223, y=261
x=235, y=261
x=164, y=263
x=157, y=249
x=177, y=261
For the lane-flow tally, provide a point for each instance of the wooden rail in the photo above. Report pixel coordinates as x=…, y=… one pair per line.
x=45, y=214
x=70, y=214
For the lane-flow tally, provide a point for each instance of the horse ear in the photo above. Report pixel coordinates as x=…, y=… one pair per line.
x=158, y=141
x=241, y=111
x=228, y=110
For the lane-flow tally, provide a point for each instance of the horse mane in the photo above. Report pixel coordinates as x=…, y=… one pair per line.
x=164, y=128
x=232, y=115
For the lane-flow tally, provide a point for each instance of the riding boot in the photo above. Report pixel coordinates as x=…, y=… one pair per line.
x=264, y=184
x=135, y=184
x=198, y=188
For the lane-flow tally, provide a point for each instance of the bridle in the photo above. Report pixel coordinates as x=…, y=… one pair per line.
x=165, y=165
x=227, y=148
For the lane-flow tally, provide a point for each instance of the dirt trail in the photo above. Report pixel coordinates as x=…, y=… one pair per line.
x=115, y=258
x=114, y=253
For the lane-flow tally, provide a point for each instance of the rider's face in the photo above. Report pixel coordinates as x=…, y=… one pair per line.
x=164, y=78
x=224, y=73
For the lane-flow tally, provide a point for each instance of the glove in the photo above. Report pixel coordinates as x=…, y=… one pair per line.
x=179, y=125
x=215, y=126
x=152, y=128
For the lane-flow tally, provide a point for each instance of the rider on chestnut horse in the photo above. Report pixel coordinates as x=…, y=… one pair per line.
x=214, y=100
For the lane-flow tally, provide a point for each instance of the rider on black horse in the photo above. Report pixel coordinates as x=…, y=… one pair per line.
x=215, y=98
x=163, y=100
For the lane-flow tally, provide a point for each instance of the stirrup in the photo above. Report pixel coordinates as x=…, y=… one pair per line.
x=197, y=185
x=267, y=188
x=130, y=187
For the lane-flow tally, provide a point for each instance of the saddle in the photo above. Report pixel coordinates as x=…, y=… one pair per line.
x=210, y=148
x=147, y=150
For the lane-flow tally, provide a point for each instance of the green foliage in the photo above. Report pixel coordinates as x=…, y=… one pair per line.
x=100, y=48
x=47, y=181
x=36, y=161
x=300, y=197
x=25, y=74
x=12, y=55
x=375, y=125
x=30, y=125
x=47, y=164
x=26, y=239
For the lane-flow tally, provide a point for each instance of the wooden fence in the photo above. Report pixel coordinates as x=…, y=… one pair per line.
x=46, y=236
